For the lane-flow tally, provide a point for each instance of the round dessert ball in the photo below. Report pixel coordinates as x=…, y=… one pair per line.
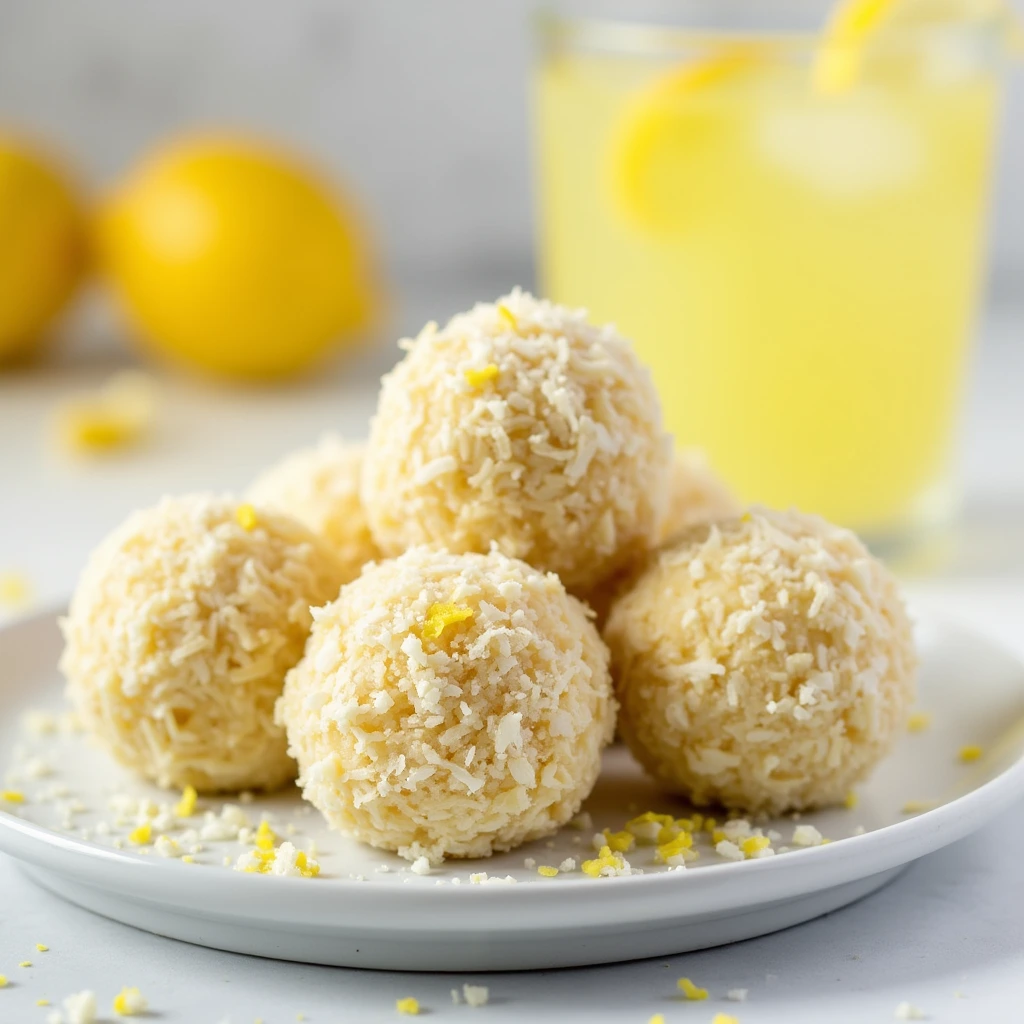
x=449, y=705
x=764, y=663
x=320, y=488
x=522, y=424
x=182, y=627
x=696, y=494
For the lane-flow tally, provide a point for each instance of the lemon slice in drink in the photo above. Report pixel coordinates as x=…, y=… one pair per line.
x=662, y=133
x=855, y=23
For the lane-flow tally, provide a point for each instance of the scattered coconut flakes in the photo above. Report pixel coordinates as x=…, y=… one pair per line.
x=729, y=850
x=476, y=995
x=79, y=1008
x=907, y=1011
x=420, y=866
x=130, y=1002
x=737, y=995
x=807, y=835
x=569, y=864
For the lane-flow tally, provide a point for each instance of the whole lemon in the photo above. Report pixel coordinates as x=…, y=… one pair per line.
x=42, y=244
x=234, y=257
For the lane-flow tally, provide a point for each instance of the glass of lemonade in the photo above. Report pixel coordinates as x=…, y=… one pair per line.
x=792, y=236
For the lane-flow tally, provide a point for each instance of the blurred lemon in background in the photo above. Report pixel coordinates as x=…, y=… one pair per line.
x=234, y=257
x=42, y=244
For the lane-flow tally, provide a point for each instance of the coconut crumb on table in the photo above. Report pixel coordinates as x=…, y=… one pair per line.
x=907, y=1011
x=130, y=1002
x=737, y=995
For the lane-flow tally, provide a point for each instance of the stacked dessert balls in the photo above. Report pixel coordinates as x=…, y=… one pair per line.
x=423, y=611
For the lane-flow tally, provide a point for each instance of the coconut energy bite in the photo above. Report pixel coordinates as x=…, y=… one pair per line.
x=320, y=488
x=449, y=705
x=182, y=627
x=522, y=424
x=765, y=663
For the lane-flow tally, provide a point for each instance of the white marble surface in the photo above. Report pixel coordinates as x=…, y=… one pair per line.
x=953, y=923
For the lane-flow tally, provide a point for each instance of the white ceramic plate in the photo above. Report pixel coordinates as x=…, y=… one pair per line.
x=369, y=910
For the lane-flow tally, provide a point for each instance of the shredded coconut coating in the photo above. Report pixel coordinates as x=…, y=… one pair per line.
x=522, y=424
x=179, y=636
x=487, y=736
x=765, y=663
x=320, y=488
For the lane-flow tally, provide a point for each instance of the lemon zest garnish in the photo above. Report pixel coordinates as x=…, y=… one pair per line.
x=408, y=1006
x=12, y=796
x=478, y=378
x=970, y=753
x=717, y=836
x=15, y=590
x=647, y=827
x=188, y=859
x=724, y=1018
x=919, y=721
x=129, y=1003
x=658, y=1018
x=141, y=835
x=547, y=871
x=710, y=825
x=246, y=517
x=42, y=948
x=508, y=316
x=674, y=848
x=186, y=806
x=620, y=842
x=3, y=981
x=691, y=991
x=604, y=859
x=441, y=616
x=42, y=1002
x=25, y=963
x=851, y=800
x=755, y=844
x=116, y=416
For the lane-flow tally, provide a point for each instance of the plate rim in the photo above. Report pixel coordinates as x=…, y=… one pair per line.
x=880, y=848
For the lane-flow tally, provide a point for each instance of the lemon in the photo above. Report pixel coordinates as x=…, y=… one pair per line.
x=233, y=257
x=662, y=133
x=854, y=24
x=42, y=244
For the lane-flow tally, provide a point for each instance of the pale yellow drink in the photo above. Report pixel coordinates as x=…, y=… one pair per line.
x=799, y=267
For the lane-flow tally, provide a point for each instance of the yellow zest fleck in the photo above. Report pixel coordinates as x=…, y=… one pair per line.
x=246, y=517
x=605, y=859
x=620, y=842
x=547, y=871
x=755, y=844
x=658, y=1018
x=129, y=1003
x=116, y=416
x=508, y=316
x=25, y=963
x=717, y=836
x=691, y=991
x=408, y=1006
x=441, y=616
x=647, y=827
x=478, y=378
x=309, y=869
x=186, y=806
x=674, y=848
x=710, y=824
x=142, y=835
x=265, y=836
x=15, y=590
x=188, y=859
x=724, y=1018
x=919, y=721
x=42, y=1002
x=970, y=753
x=12, y=796
x=42, y=948
x=851, y=800
x=3, y=981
